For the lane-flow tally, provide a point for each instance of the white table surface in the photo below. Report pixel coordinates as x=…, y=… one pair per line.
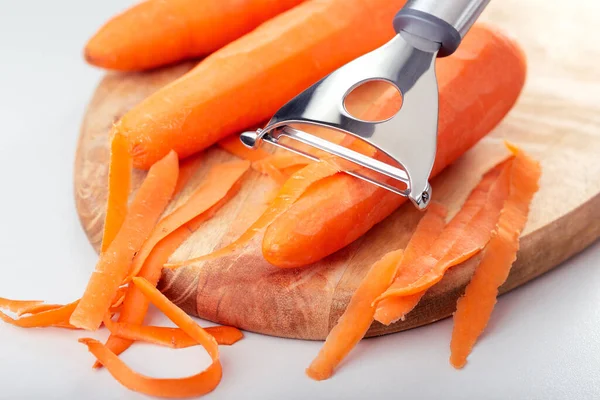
x=543, y=341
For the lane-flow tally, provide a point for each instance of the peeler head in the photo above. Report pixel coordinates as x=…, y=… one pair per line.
x=401, y=148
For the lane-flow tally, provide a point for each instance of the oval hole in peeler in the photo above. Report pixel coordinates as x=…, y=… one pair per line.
x=375, y=100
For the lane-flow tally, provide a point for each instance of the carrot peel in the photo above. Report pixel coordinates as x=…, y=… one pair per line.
x=474, y=308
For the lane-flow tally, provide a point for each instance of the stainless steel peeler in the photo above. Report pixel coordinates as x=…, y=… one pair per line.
x=426, y=29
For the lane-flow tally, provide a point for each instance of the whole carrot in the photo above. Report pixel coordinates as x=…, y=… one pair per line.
x=244, y=83
x=478, y=86
x=159, y=32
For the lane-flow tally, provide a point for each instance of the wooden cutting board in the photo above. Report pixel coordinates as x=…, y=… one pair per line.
x=557, y=120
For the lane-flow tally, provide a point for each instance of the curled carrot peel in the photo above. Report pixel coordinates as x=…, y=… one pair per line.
x=288, y=194
x=475, y=307
x=221, y=185
x=17, y=306
x=119, y=182
x=357, y=318
x=195, y=385
x=429, y=228
x=187, y=169
x=464, y=236
x=37, y=308
x=220, y=180
x=170, y=337
x=114, y=264
x=57, y=317
x=232, y=144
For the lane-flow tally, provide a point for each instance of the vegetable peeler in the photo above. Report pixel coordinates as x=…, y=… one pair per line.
x=426, y=29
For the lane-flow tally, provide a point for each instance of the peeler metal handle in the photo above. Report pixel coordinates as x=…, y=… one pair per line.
x=443, y=21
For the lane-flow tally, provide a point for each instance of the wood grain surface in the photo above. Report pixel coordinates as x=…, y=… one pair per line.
x=557, y=120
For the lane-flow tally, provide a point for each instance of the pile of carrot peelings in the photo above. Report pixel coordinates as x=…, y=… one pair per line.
x=137, y=242
x=490, y=221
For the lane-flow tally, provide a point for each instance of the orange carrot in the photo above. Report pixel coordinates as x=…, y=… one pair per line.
x=428, y=229
x=160, y=32
x=474, y=309
x=288, y=193
x=57, y=317
x=163, y=242
x=357, y=318
x=187, y=169
x=119, y=181
x=478, y=86
x=465, y=235
x=114, y=264
x=233, y=145
x=244, y=83
x=170, y=337
x=195, y=385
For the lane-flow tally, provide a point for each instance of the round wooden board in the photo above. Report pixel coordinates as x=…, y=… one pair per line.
x=557, y=120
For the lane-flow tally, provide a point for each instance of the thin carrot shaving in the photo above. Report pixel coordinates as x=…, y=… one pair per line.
x=119, y=182
x=187, y=169
x=37, y=308
x=114, y=264
x=232, y=144
x=288, y=194
x=464, y=236
x=218, y=183
x=357, y=318
x=17, y=306
x=429, y=228
x=221, y=185
x=191, y=386
x=175, y=338
x=57, y=317
x=475, y=307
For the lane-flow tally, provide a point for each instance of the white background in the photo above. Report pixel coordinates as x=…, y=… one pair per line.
x=543, y=341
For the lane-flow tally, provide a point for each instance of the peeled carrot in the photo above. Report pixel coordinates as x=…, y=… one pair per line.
x=357, y=318
x=474, y=308
x=119, y=182
x=159, y=32
x=244, y=83
x=464, y=236
x=174, y=229
x=113, y=265
x=478, y=85
x=429, y=228
x=233, y=145
x=170, y=337
x=195, y=385
x=57, y=317
x=286, y=196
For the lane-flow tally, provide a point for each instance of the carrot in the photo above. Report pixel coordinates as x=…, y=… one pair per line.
x=464, y=236
x=119, y=182
x=233, y=145
x=187, y=169
x=428, y=229
x=220, y=186
x=357, y=318
x=244, y=83
x=160, y=32
x=57, y=317
x=195, y=385
x=113, y=265
x=286, y=196
x=478, y=85
x=474, y=308
x=170, y=337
